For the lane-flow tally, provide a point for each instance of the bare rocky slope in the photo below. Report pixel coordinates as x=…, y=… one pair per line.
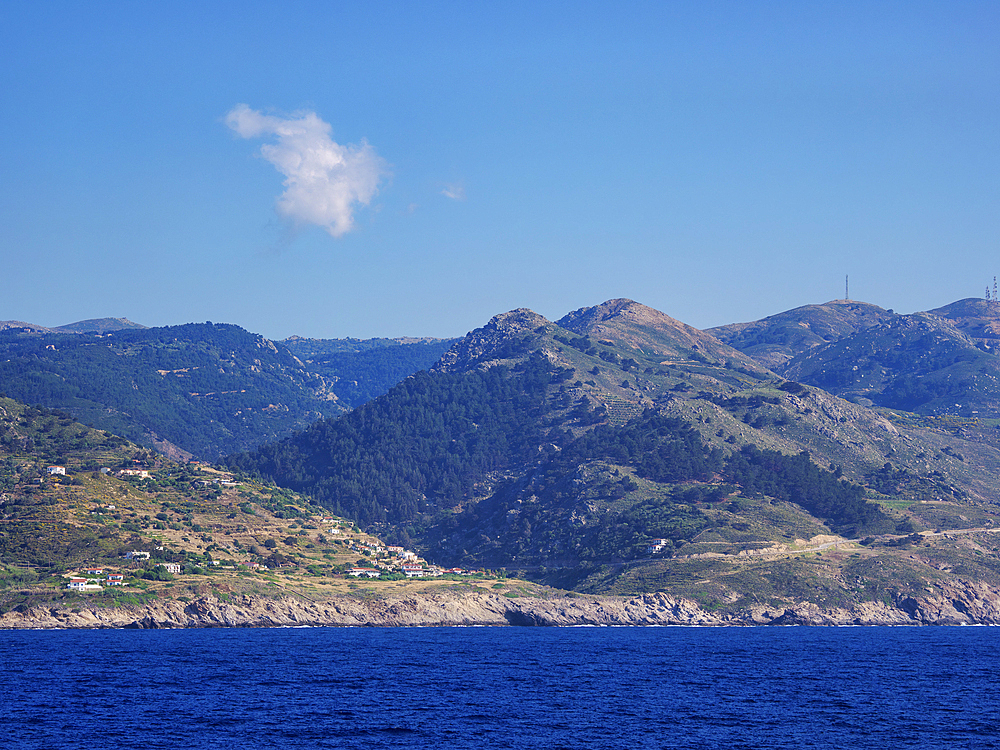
x=959, y=603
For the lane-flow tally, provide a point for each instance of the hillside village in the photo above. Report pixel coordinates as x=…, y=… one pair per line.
x=117, y=524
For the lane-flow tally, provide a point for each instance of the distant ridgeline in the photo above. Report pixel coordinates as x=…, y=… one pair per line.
x=200, y=389
x=933, y=363
x=361, y=369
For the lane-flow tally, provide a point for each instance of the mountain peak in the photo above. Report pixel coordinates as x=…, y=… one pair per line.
x=488, y=342
x=516, y=321
x=632, y=324
x=99, y=325
x=975, y=317
x=585, y=318
x=777, y=338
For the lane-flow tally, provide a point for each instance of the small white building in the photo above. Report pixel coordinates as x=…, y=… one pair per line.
x=414, y=570
x=83, y=584
x=367, y=572
x=656, y=545
x=54, y=470
x=141, y=473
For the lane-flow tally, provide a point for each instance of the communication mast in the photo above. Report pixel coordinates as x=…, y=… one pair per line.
x=847, y=288
x=994, y=288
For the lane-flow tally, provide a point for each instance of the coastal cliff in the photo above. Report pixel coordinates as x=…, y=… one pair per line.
x=961, y=603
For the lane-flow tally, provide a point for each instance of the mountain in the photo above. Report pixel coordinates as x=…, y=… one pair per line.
x=568, y=450
x=933, y=364
x=97, y=325
x=777, y=338
x=919, y=363
x=979, y=319
x=615, y=451
x=20, y=325
x=200, y=389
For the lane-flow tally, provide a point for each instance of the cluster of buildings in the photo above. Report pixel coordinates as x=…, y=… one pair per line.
x=60, y=471
x=412, y=570
x=408, y=563
x=96, y=579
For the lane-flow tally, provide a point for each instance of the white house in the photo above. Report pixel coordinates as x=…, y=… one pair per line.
x=413, y=570
x=369, y=572
x=172, y=567
x=53, y=470
x=82, y=584
x=656, y=545
x=141, y=473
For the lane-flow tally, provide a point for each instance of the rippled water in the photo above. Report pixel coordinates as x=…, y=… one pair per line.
x=501, y=688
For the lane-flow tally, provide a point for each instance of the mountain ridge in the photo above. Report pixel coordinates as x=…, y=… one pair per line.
x=626, y=452
x=573, y=502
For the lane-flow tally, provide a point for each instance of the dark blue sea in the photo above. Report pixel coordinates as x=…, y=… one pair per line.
x=869, y=688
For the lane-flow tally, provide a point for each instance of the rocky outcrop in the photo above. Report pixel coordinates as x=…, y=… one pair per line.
x=483, y=608
x=482, y=346
x=959, y=603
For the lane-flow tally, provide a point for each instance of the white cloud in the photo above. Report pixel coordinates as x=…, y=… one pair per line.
x=455, y=191
x=324, y=181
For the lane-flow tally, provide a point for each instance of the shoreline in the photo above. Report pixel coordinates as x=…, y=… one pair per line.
x=968, y=603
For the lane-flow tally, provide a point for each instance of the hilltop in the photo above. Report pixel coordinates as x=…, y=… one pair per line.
x=777, y=338
x=94, y=325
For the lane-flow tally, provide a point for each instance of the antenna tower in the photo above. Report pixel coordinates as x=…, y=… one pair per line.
x=847, y=288
x=994, y=288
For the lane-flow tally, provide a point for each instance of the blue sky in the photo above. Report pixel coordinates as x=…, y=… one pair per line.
x=719, y=161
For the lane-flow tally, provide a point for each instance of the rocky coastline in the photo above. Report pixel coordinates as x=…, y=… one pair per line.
x=961, y=603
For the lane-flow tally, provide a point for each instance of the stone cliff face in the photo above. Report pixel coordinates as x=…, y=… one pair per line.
x=478, y=346
x=962, y=603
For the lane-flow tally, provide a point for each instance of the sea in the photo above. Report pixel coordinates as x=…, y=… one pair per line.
x=793, y=687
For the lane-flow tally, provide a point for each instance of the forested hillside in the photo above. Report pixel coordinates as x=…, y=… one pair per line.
x=917, y=363
x=200, y=389
x=535, y=447
x=422, y=447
